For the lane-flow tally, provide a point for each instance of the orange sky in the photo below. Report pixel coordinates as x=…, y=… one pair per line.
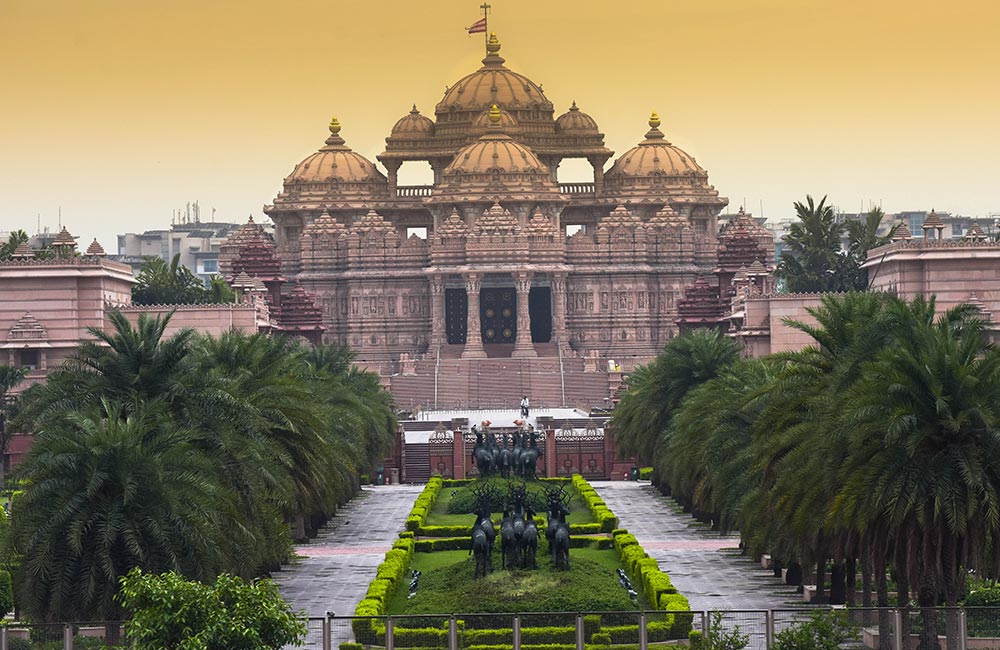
x=120, y=111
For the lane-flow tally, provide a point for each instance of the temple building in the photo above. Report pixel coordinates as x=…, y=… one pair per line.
x=497, y=278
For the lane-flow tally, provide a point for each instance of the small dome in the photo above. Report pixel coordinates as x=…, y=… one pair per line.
x=574, y=121
x=413, y=125
x=654, y=156
x=335, y=162
x=506, y=121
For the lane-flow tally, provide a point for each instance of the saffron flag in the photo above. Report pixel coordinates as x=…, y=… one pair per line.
x=478, y=27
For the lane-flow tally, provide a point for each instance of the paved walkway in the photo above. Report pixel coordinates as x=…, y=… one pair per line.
x=702, y=565
x=336, y=567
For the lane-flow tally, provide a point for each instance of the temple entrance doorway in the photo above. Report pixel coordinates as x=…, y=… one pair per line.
x=540, y=310
x=498, y=314
x=456, y=315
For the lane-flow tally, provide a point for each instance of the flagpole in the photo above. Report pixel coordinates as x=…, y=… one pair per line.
x=486, y=18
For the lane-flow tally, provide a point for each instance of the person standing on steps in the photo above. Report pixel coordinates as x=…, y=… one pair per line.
x=524, y=406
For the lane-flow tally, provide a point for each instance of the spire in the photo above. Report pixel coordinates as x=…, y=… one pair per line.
x=654, y=132
x=335, y=141
x=493, y=58
x=95, y=249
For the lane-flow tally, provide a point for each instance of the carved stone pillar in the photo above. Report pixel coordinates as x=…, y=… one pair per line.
x=598, y=165
x=559, y=311
x=392, y=167
x=473, y=335
x=522, y=344
x=437, y=312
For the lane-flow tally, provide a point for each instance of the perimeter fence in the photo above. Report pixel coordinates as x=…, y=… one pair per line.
x=877, y=629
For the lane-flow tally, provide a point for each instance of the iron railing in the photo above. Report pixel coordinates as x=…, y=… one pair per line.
x=877, y=629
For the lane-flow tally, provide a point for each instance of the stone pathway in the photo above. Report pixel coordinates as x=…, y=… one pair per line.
x=703, y=566
x=335, y=568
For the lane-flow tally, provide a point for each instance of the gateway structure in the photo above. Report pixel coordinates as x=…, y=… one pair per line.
x=498, y=281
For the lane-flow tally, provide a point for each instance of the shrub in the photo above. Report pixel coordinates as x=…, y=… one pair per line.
x=623, y=540
x=410, y=637
x=407, y=534
x=601, y=638
x=825, y=630
x=6, y=593
x=17, y=643
x=645, y=473
x=719, y=639
x=167, y=611
x=443, y=544
x=619, y=531
x=348, y=645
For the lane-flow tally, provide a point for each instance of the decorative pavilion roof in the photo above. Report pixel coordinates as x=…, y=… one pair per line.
x=453, y=225
x=700, y=305
x=667, y=217
x=298, y=313
x=372, y=223
x=620, y=217
x=901, y=232
x=497, y=221
x=28, y=328
x=540, y=226
x=975, y=233
x=64, y=239
x=932, y=221
x=324, y=224
x=23, y=251
x=256, y=258
x=95, y=249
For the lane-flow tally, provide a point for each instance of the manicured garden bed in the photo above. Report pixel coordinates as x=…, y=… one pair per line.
x=436, y=544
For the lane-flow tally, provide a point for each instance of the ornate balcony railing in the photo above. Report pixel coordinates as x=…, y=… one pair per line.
x=413, y=191
x=576, y=188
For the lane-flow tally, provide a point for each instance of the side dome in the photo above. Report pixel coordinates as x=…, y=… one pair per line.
x=654, y=156
x=493, y=84
x=413, y=126
x=576, y=121
x=335, y=168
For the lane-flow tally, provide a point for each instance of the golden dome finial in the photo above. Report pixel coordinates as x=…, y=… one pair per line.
x=494, y=115
x=414, y=111
x=654, y=120
x=574, y=106
x=334, y=125
x=493, y=44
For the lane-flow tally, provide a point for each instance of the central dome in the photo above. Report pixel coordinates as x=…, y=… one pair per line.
x=493, y=84
x=496, y=150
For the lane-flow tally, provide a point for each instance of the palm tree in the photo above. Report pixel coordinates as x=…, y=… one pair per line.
x=925, y=452
x=812, y=260
x=10, y=377
x=15, y=239
x=107, y=490
x=656, y=390
x=862, y=236
x=126, y=365
x=160, y=283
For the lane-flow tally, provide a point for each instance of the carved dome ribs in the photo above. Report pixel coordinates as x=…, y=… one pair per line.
x=335, y=172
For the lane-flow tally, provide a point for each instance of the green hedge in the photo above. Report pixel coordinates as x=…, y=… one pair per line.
x=656, y=586
x=463, y=543
x=645, y=473
x=466, y=530
x=598, y=510
x=422, y=506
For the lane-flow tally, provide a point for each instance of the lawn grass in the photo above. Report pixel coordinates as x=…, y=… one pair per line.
x=446, y=585
x=439, y=515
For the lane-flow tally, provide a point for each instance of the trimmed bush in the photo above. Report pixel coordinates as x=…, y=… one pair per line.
x=601, y=638
x=623, y=540
x=645, y=473
x=407, y=534
x=443, y=544
x=410, y=637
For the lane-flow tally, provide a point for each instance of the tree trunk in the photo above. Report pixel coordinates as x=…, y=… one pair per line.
x=776, y=567
x=885, y=625
x=838, y=583
x=866, y=579
x=794, y=574
x=927, y=598
x=820, y=579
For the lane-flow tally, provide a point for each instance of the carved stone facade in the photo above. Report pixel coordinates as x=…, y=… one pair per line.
x=497, y=258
